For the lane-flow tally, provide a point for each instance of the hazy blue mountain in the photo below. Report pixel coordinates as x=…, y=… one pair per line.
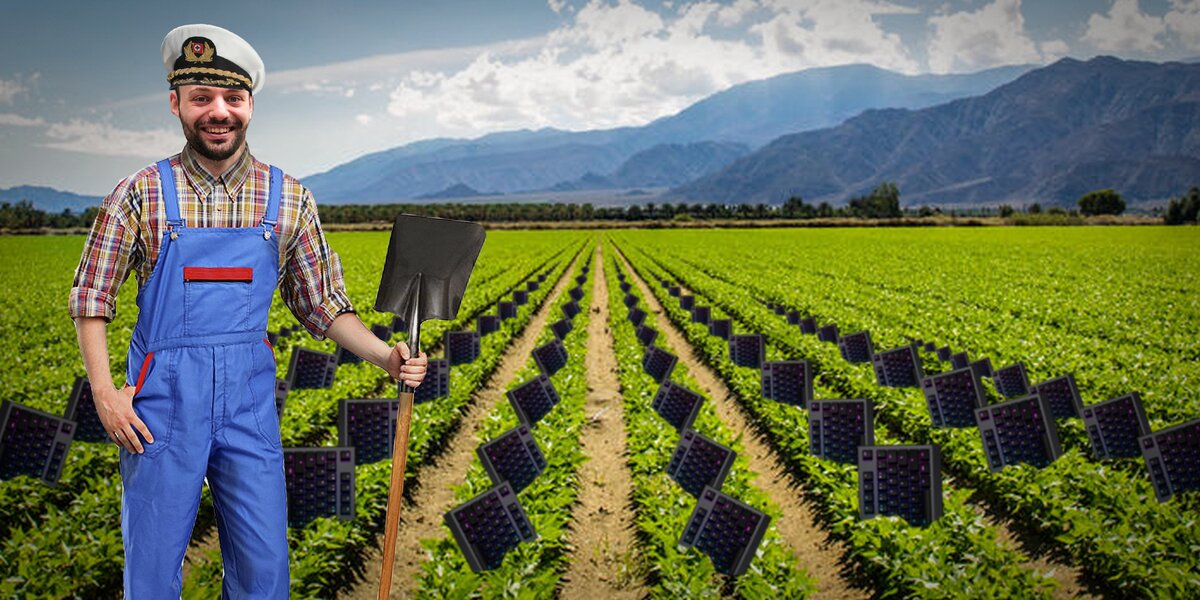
x=1049, y=136
x=757, y=112
x=457, y=190
x=673, y=164
x=751, y=114
x=663, y=165
x=589, y=181
x=48, y=199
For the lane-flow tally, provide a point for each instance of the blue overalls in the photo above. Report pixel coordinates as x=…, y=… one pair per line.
x=205, y=378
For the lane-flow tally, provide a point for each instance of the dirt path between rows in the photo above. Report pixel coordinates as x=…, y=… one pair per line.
x=433, y=493
x=819, y=555
x=603, y=562
x=1068, y=579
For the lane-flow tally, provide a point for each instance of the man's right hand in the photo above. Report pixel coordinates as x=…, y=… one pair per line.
x=115, y=409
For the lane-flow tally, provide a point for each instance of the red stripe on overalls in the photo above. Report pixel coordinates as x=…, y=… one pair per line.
x=142, y=374
x=218, y=274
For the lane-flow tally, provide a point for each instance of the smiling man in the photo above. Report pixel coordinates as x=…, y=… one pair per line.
x=210, y=233
x=224, y=114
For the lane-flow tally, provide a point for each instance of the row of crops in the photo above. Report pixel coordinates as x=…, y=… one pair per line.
x=1114, y=307
x=661, y=507
x=532, y=569
x=1101, y=514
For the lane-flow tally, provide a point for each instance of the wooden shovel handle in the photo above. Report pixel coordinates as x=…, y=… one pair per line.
x=395, y=492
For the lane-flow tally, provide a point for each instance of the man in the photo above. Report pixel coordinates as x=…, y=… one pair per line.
x=210, y=233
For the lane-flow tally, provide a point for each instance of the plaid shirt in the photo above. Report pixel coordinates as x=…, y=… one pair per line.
x=127, y=236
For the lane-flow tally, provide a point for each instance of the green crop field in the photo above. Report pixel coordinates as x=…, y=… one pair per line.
x=1116, y=307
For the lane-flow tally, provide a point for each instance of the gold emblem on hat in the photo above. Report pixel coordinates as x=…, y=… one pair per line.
x=198, y=51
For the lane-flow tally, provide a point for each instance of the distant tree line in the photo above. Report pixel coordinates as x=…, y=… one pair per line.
x=23, y=215
x=1101, y=202
x=506, y=212
x=1184, y=209
x=882, y=203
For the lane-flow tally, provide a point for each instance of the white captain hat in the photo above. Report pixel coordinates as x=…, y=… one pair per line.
x=201, y=54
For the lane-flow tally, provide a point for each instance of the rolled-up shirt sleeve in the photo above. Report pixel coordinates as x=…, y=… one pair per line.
x=313, y=287
x=108, y=257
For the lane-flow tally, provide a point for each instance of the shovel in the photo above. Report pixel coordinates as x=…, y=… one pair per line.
x=428, y=264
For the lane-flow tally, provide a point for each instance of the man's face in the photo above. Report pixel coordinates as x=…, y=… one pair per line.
x=214, y=119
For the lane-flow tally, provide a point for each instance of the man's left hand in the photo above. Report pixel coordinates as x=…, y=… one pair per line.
x=408, y=370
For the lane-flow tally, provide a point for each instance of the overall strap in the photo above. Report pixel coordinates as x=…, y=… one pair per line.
x=274, y=193
x=170, y=198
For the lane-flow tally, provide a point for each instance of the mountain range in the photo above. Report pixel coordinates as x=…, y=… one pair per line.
x=1050, y=135
x=750, y=114
x=48, y=199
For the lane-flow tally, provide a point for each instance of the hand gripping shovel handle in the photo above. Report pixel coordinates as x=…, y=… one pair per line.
x=399, y=459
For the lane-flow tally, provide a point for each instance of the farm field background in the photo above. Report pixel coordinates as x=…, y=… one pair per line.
x=1119, y=308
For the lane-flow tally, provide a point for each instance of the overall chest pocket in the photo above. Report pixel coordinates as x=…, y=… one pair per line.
x=216, y=299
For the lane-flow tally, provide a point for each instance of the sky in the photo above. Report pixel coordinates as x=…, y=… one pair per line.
x=83, y=94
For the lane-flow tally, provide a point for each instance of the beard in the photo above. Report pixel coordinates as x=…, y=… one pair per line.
x=220, y=151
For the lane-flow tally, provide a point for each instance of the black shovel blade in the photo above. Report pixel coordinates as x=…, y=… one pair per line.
x=440, y=254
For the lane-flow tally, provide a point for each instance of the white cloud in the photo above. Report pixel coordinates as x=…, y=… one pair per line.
x=832, y=32
x=1053, y=50
x=991, y=36
x=375, y=73
x=104, y=139
x=1184, y=21
x=323, y=88
x=874, y=7
x=602, y=25
x=372, y=70
x=9, y=90
x=1125, y=28
x=694, y=17
x=19, y=121
x=363, y=119
x=556, y=5
x=733, y=14
x=616, y=64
